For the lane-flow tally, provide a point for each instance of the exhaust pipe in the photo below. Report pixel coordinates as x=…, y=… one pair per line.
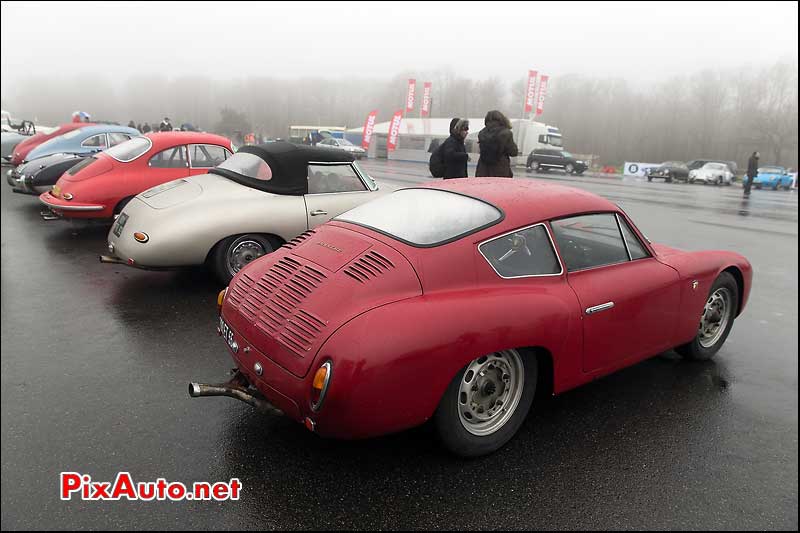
x=235, y=388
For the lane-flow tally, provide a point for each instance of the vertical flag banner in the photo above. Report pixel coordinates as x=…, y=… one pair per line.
x=412, y=88
x=369, y=127
x=426, y=99
x=530, y=92
x=542, y=94
x=394, y=131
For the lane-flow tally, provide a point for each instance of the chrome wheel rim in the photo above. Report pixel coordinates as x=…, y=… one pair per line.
x=243, y=252
x=490, y=390
x=715, y=318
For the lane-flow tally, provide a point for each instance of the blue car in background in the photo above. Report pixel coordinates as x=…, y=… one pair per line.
x=84, y=141
x=773, y=177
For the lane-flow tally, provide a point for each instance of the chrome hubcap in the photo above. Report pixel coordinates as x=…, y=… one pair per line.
x=242, y=253
x=490, y=390
x=716, y=315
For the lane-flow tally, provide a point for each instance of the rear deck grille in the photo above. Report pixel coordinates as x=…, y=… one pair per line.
x=368, y=266
x=272, y=303
x=299, y=239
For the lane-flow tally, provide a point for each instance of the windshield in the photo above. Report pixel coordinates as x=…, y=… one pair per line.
x=248, y=165
x=770, y=170
x=129, y=150
x=566, y=154
x=424, y=217
x=555, y=140
x=344, y=142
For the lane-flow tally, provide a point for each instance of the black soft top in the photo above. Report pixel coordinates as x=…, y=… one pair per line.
x=289, y=164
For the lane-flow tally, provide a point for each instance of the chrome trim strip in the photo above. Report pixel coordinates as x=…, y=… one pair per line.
x=621, y=234
x=61, y=207
x=552, y=246
x=598, y=308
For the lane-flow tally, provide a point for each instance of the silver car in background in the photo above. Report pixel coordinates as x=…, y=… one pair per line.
x=716, y=173
x=343, y=144
x=259, y=199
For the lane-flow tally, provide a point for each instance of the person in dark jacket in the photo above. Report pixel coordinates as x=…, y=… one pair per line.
x=454, y=152
x=146, y=128
x=165, y=125
x=497, y=147
x=752, y=172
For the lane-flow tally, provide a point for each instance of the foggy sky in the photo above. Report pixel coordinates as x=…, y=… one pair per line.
x=331, y=39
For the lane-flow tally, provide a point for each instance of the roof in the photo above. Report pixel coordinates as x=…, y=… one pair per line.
x=526, y=200
x=172, y=138
x=289, y=165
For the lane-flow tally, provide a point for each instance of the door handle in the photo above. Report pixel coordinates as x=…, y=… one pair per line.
x=318, y=212
x=598, y=308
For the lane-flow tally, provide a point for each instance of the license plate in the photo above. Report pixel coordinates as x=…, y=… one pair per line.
x=119, y=224
x=227, y=334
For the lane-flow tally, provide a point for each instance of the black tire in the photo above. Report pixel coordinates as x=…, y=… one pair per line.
x=121, y=205
x=451, y=430
x=536, y=166
x=649, y=178
x=569, y=168
x=695, y=349
x=775, y=187
x=219, y=256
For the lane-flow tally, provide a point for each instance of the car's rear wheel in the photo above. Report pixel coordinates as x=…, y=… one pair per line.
x=235, y=252
x=486, y=403
x=570, y=168
x=775, y=187
x=716, y=320
x=536, y=166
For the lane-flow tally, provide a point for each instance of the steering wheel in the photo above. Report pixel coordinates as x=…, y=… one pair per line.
x=516, y=242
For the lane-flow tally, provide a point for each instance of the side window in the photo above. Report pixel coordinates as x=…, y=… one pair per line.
x=95, y=141
x=207, y=155
x=527, y=252
x=333, y=178
x=543, y=139
x=170, y=158
x=589, y=241
x=116, y=138
x=634, y=245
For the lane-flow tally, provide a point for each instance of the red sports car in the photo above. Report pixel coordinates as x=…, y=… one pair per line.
x=101, y=185
x=456, y=302
x=22, y=149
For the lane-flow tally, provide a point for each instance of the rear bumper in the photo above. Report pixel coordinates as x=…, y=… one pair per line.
x=70, y=209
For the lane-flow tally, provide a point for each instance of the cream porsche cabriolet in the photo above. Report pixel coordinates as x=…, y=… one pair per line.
x=257, y=200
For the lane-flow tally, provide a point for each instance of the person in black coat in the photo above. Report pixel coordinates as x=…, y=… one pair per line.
x=752, y=172
x=146, y=128
x=454, y=152
x=497, y=147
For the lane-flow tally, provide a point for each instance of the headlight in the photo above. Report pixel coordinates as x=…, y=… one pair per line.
x=319, y=386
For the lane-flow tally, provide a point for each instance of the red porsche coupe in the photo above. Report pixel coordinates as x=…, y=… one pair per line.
x=456, y=302
x=101, y=185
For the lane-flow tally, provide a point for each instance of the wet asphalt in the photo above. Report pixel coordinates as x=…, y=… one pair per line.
x=96, y=360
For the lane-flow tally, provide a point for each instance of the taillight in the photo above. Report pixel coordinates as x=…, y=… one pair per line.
x=319, y=385
x=221, y=297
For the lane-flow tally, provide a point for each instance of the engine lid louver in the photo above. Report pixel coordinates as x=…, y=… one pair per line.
x=272, y=303
x=369, y=266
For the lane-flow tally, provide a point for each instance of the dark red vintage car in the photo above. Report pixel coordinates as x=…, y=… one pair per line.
x=22, y=149
x=101, y=185
x=456, y=302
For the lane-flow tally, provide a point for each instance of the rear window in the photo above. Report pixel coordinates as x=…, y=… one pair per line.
x=424, y=217
x=248, y=165
x=130, y=150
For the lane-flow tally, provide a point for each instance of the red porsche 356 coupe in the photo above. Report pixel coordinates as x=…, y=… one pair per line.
x=456, y=302
x=101, y=185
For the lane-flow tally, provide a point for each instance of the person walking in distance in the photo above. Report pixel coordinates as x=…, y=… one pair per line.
x=454, y=152
x=752, y=172
x=165, y=125
x=497, y=147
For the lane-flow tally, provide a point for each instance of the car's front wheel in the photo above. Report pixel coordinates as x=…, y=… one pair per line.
x=716, y=320
x=235, y=252
x=569, y=169
x=486, y=403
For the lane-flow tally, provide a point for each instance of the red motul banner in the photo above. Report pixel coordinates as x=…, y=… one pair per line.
x=541, y=95
x=426, y=99
x=412, y=89
x=530, y=93
x=369, y=127
x=394, y=131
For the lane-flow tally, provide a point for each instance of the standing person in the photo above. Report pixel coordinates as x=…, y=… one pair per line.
x=752, y=172
x=165, y=125
x=497, y=147
x=139, y=127
x=146, y=128
x=132, y=124
x=454, y=152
